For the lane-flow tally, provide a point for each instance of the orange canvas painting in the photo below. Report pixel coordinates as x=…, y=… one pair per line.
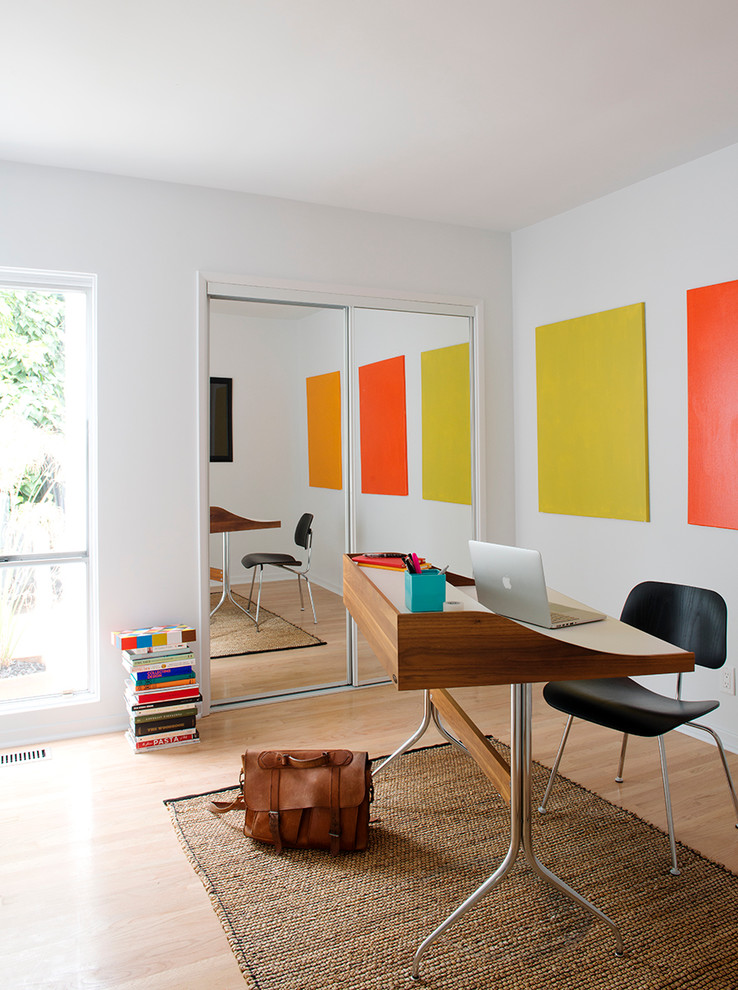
x=383, y=427
x=324, y=430
x=712, y=352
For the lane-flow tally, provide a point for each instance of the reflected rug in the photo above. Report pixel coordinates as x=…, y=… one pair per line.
x=304, y=921
x=232, y=634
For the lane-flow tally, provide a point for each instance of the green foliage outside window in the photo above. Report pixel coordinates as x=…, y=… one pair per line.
x=32, y=401
x=31, y=393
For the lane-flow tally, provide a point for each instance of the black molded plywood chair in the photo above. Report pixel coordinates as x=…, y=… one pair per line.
x=693, y=619
x=304, y=539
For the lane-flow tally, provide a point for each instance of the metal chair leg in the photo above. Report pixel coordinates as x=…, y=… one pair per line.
x=312, y=603
x=675, y=871
x=719, y=744
x=258, y=600
x=299, y=588
x=621, y=764
x=554, y=769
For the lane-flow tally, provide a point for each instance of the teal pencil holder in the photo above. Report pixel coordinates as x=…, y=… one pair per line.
x=425, y=592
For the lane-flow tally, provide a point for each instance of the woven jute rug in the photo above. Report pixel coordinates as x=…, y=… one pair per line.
x=233, y=634
x=304, y=921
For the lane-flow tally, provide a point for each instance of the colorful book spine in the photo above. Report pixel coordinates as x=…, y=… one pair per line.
x=143, y=698
x=136, y=639
x=156, y=742
x=152, y=653
x=149, y=661
x=165, y=725
x=136, y=705
x=168, y=711
x=165, y=682
x=160, y=673
x=165, y=708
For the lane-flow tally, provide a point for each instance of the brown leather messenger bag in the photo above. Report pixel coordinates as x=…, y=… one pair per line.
x=305, y=799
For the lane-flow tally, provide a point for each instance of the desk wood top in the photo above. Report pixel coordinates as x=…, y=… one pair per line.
x=223, y=521
x=476, y=647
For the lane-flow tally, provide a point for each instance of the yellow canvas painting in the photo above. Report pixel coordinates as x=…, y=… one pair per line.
x=592, y=415
x=446, y=415
x=324, y=430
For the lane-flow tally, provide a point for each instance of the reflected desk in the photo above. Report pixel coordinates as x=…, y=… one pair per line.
x=434, y=651
x=225, y=522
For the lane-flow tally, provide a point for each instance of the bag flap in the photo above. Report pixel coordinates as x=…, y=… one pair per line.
x=303, y=786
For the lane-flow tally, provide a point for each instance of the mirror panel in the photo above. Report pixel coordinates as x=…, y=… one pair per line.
x=434, y=517
x=269, y=351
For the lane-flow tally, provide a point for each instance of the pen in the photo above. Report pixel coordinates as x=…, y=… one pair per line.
x=416, y=563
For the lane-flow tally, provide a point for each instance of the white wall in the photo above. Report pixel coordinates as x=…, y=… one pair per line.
x=146, y=241
x=648, y=243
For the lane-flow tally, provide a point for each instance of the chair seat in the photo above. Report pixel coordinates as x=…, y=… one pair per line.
x=624, y=705
x=254, y=559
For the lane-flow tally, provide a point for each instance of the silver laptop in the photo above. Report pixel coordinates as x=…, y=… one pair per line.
x=510, y=582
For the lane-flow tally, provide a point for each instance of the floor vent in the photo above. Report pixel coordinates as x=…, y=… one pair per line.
x=25, y=756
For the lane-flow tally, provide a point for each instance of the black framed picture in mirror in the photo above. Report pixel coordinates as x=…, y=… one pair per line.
x=221, y=419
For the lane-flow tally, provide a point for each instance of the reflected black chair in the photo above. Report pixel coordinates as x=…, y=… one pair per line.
x=693, y=619
x=304, y=539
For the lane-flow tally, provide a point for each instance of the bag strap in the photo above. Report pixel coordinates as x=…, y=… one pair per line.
x=335, y=827
x=289, y=760
x=274, y=809
x=221, y=807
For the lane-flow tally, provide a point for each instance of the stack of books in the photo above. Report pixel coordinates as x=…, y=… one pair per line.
x=162, y=694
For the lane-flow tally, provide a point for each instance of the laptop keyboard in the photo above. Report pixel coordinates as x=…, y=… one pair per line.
x=559, y=617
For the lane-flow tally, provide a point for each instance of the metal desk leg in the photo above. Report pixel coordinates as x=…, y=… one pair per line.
x=525, y=704
x=227, y=581
x=429, y=715
x=424, y=725
x=520, y=829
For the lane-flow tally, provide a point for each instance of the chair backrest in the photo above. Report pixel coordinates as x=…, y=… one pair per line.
x=693, y=619
x=303, y=531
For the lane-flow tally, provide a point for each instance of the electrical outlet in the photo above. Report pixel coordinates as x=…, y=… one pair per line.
x=727, y=680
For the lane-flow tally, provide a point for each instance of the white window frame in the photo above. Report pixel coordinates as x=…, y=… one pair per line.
x=49, y=281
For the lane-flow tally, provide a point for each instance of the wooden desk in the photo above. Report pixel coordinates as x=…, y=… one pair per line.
x=225, y=522
x=434, y=651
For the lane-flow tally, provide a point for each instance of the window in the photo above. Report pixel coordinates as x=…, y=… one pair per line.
x=46, y=589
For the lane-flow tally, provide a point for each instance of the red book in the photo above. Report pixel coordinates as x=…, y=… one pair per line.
x=174, y=694
x=386, y=563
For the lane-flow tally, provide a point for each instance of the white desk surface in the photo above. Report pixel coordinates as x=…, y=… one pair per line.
x=606, y=636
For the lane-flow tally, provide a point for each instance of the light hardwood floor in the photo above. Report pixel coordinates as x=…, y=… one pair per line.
x=260, y=673
x=97, y=893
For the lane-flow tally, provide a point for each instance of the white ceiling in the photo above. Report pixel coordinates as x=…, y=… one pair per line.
x=492, y=113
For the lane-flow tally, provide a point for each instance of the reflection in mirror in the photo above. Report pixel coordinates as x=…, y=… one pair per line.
x=221, y=419
x=413, y=416
x=280, y=357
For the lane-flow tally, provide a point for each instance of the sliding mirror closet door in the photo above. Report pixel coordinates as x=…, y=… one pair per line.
x=284, y=367
x=414, y=441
